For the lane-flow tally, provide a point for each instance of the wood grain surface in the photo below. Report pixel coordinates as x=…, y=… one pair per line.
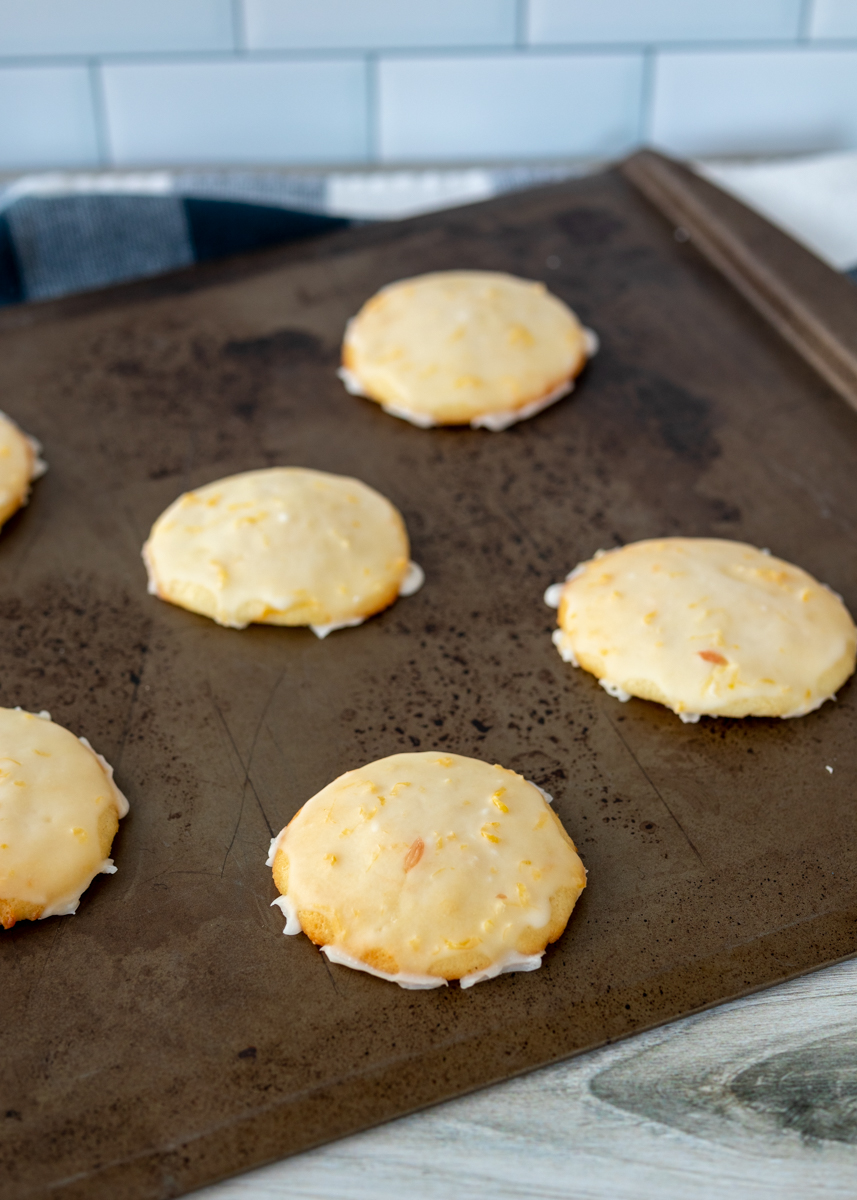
x=756, y=1099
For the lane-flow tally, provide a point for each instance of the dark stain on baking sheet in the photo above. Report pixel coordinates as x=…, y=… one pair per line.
x=168, y=1034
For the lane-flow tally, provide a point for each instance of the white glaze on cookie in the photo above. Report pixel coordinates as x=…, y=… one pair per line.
x=706, y=627
x=464, y=347
x=498, y=421
x=416, y=862
x=402, y=978
x=321, y=631
x=284, y=546
x=54, y=790
x=413, y=581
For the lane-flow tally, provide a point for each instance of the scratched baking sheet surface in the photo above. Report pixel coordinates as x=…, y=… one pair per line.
x=168, y=1034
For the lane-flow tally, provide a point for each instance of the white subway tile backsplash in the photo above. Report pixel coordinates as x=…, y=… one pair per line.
x=46, y=118
x=377, y=24
x=237, y=111
x=575, y=21
x=90, y=27
x=314, y=81
x=833, y=19
x=508, y=106
x=755, y=102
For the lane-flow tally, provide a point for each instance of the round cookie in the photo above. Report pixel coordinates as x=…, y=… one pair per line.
x=426, y=867
x=464, y=347
x=59, y=812
x=20, y=464
x=284, y=546
x=706, y=627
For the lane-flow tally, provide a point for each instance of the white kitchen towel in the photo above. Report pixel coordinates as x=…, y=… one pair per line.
x=813, y=199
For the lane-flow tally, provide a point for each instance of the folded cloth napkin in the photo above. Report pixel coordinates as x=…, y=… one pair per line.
x=67, y=232
x=52, y=245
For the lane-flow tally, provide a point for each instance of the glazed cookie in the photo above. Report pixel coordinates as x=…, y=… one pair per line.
x=20, y=464
x=706, y=627
x=421, y=868
x=59, y=812
x=284, y=546
x=464, y=347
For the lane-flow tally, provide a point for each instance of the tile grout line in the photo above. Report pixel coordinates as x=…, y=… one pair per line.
x=99, y=113
x=805, y=20
x=373, y=109
x=647, y=89
x=534, y=50
x=239, y=27
x=521, y=24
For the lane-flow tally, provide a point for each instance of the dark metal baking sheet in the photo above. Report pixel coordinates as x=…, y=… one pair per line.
x=809, y=305
x=168, y=1034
